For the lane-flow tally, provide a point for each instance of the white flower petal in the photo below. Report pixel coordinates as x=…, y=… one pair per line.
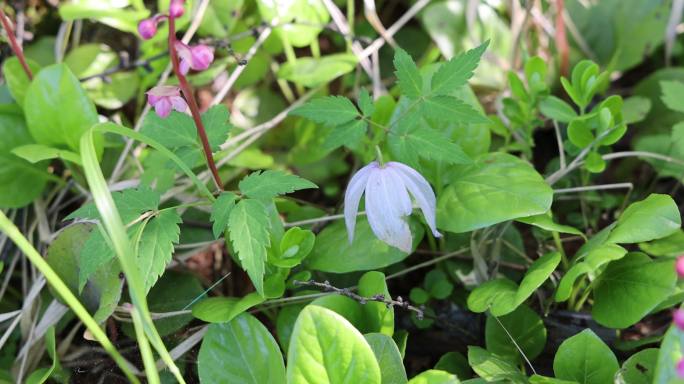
x=400, y=194
x=352, y=196
x=384, y=212
x=421, y=191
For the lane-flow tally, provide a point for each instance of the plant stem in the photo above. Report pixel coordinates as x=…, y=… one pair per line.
x=16, y=48
x=192, y=103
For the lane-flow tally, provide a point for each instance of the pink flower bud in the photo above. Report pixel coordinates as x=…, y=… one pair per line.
x=197, y=58
x=680, y=368
x=176, y=8
x=678, y=319
x=147, y=28
x=679, y=266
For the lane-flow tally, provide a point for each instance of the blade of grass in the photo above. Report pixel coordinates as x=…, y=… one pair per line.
x=69, y=298
x=122, y=247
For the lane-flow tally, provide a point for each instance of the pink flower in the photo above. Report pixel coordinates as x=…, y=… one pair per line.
x=164, y=98
x=387, y=189
x=197, y=58
x=147, y=28
x=680, y=368
x=176, y=8
x=679, y=266
x=678, y=319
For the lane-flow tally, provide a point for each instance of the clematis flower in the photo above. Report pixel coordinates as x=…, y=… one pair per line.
x=147, y=28
x=387, y=189
x=197, y=58
x=176, y=8
x=164, y=98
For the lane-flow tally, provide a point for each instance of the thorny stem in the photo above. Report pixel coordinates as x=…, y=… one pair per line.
x=192, y=103
x=16, y=48
x=380, y=298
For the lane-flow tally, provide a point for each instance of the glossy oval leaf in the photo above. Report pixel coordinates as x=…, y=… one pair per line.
x=655, y=217
x=326, y=348
x=434, y=376
x=223, y=309
x=240, y=351
x=16, y=79
x=389, y=359
x=523, y=325
x=586, y=359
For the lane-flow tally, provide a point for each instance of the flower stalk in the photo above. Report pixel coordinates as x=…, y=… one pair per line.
x=16, y=48
x=192, y=103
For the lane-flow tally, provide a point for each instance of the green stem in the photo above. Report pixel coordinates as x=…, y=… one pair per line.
x=65, y=293
x=559, y=246
x=145, y=351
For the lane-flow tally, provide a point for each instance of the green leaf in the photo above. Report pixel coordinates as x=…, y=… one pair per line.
x=103, y=290
x=655, y=217
x=271, y=183
x=434, y=376
x=640, y=367
x=330, y=110
x=635, y=109
x=224, y=309
x=378, y=316
x=220, y=212
x=497, y=188
x=316, y=354
x=545, y=222
x=131, y=203
x=389, y=359
x=312, y=72
x=557, y=109
x=216, y=121
x=630, y=288
x=333, y=252
x=454, y=362
x=41, y=375
x=456, y=72
x=295, y=245
x=437, y=284
x=670, y=246
x=492, y=367
x=57, y=109
x=155, y=246
x=248, y=225
x=449, y=109
x=524, y=326
x=408, y=76
x=586, y=359
x=175, y=131
x=35, y=153
x=20, y=181
x=428, y=143
x=593, y=260
x=16, y=79
x=671, y=352
x=240, y=351
x=502, y=296
x=366, y=103
x=580, y=133
x=348, y=134
x=673, y=94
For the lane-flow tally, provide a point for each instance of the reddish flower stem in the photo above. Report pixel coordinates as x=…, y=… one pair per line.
x=192, y=103
x=562, y=39
x=16, y=48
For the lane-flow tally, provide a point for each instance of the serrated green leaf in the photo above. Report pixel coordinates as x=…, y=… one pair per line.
x=217, y=124
x=431, y=144
x=130, y=203
x=347, y=134
x=673, y=94
x=271, y=183
x=331, y=110
x=155, y=247
x=366, y=103
x=220, y=212
x=456, y=72
x=248, y=226
x=450, y=109
x=408, y=76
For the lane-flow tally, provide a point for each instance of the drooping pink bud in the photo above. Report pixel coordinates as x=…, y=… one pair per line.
x=164, y=98
x=679, y=266
x=147, y=28
x=680, y=368
x=198, y=57
x=678, y=319
x=176, y=8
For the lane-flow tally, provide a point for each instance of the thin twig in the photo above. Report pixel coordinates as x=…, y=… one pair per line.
x=380, y=298
x=16, y=48
x=594, y=188
x=561, y=148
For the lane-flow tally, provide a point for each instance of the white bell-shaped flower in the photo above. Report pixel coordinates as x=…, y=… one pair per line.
x=387, y=188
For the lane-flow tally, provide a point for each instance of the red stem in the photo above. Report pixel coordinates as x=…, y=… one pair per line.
x=16, y=48
x=194, y=109
x=562, y=39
